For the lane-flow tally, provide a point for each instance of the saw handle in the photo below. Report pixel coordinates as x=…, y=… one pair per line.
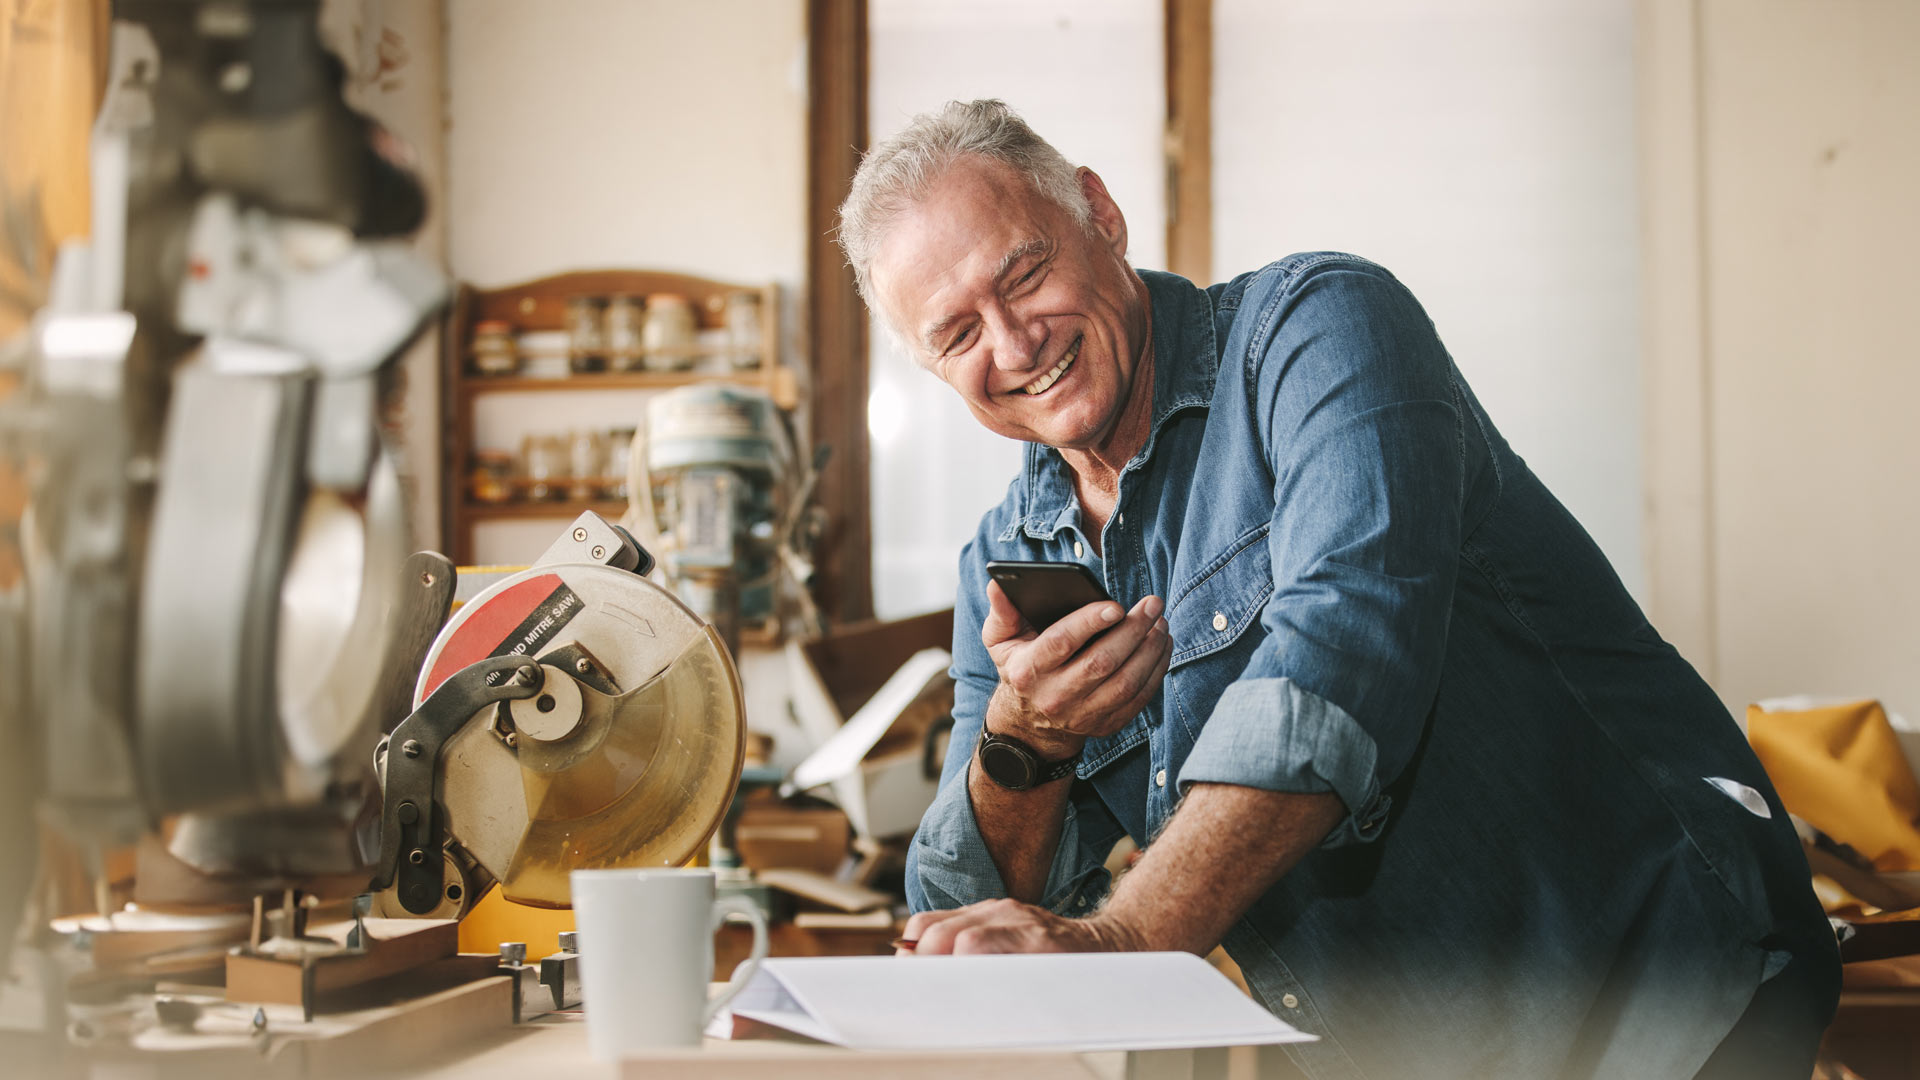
x=411, y=832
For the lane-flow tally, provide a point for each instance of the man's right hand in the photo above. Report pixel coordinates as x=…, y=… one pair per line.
x=1057, y=690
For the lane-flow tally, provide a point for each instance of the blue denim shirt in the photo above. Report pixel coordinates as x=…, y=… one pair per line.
x=1542, y=871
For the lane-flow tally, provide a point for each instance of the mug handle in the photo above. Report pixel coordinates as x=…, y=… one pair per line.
x=724, y=906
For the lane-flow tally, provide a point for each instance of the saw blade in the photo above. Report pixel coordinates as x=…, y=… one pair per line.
x=638, y=754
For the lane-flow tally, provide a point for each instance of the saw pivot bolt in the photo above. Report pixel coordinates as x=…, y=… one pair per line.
x=411, y=748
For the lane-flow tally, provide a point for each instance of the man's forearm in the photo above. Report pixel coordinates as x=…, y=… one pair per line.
x=1021, y=828
x=1224, y=847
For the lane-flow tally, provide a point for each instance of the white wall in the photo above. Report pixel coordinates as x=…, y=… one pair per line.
x=1784, y=165
x=1482, y=150
x=621, y=133
x=1087, y=75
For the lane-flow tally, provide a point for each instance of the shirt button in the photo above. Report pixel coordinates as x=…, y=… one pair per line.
x=1219, y=620
x=1160, y=778
x=1123, y=519
x=1078, y=550
x=1290, y=1001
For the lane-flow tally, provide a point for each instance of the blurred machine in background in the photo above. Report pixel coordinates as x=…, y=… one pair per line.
x=716, y=479
x=217, y=619
x=212, y=611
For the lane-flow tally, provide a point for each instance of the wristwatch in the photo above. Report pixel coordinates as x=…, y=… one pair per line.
x=1013, y=764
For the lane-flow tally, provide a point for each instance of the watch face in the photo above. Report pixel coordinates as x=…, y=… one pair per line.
x=1007, y=765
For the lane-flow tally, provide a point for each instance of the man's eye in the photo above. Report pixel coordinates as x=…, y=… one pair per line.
x=1028, y=277
x=960, y=342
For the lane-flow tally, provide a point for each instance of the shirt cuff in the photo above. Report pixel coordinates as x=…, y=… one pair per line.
x=949, y=865
x=1272, y=735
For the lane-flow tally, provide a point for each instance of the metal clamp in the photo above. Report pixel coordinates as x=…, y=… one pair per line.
x=412, y=831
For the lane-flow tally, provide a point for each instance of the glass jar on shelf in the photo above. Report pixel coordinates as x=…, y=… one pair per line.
x=669, y=333
x=586, y=334
x=494, y=350
x=623, y=318
x=746, y=333
x=619, y=453
x=587, y=461
x=491, y=480
x=544, y=462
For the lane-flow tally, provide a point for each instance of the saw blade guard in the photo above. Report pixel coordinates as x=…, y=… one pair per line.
x=629, y=755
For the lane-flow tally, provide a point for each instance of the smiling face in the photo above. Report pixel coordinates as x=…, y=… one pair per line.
x=1037, y=322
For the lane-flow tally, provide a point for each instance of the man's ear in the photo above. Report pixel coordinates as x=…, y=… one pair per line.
x=1107, y=219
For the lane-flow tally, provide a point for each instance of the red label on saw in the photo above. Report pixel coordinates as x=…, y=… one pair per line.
x=520, y=620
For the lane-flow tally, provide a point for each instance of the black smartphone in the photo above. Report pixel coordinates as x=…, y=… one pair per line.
x=1046, y=592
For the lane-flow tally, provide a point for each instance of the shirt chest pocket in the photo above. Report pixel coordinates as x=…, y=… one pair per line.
x=1214, y=619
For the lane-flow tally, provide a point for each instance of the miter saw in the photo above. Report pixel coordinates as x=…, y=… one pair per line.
x=572, y=716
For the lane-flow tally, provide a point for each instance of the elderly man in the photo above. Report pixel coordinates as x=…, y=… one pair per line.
x=1379, y=712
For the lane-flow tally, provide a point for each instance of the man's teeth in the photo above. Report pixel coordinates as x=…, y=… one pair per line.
x=1040, y=384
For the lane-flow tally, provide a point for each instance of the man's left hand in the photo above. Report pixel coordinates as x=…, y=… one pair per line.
x=1009, y=926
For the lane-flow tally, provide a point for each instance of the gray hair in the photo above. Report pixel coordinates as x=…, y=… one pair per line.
x=899, y=170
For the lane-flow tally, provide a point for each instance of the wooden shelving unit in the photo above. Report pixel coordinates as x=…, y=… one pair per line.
x=542, y=305
x=543, y=508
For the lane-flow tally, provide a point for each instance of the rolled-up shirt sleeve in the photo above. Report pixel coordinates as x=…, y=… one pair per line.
x=1361, y=427
x=948, y=864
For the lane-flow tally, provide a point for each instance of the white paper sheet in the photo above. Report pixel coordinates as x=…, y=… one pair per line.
x=1063, y=1001
x=840, y=755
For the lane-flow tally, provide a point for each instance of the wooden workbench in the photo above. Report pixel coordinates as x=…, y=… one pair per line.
x=466, y=1033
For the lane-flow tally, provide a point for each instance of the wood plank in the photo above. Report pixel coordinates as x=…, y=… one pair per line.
x=1189, y=142
x=456, y=427
x=856, y=659
x=416, y=1033
x=395, y=946
x=837, y=320
x=541, y=304
x=420, y=1026
x=606, y=380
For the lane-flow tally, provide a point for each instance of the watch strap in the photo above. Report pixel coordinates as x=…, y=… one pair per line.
x=1056, y=770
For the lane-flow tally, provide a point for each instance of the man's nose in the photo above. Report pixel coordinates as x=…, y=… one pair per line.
x=1018, y=343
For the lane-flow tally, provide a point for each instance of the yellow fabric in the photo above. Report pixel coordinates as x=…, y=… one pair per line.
x=1840, y=769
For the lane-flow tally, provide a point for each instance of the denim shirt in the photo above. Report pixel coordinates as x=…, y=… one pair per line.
x=1546, y=867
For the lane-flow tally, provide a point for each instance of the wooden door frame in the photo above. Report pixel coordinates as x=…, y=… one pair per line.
x=836, y=320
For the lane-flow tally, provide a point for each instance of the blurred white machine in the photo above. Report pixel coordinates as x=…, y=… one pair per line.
x=219, y=609
x=219, y=618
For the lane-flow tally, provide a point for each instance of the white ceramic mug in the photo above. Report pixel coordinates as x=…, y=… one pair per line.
x=646, y=956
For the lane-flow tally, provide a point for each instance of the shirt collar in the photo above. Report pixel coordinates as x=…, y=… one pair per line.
x=1185, y=363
